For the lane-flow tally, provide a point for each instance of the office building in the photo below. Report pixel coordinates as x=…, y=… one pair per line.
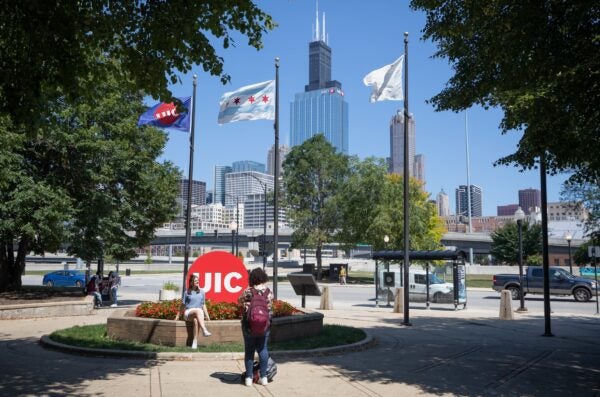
x=283, y=152
x=462, y=201
x=238, y=185
x=529, y=199
x=247, y=165
x=397, y=144
x=442, y=202
x=419, y=168
x=321, y=108
x=198, y=192
x=219, y=189
x=506, y=210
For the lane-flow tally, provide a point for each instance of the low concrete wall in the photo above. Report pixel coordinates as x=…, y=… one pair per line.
x=125, y=326
x=50, y=309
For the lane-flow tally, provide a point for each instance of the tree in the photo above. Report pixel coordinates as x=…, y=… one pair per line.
x=585, y=195
x=313, y=174
x=88, y=176
x=62, y=44
x=505, y=242
x=538, y=61
x=372, y=203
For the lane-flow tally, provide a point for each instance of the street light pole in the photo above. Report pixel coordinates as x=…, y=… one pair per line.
x=569, y=237
x=519, y=216
x=232, y=227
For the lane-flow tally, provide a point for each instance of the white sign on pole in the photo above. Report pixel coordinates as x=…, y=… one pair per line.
x=593, y=251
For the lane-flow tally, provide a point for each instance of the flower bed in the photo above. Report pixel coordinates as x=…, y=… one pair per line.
x=153, y=323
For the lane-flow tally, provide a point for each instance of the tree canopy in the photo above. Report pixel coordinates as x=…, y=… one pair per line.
x=313, y=174
x=87, y=176
x=372, y=203
x=586, y=195
x=538, y=61
x=64, y=45
x=505, y=242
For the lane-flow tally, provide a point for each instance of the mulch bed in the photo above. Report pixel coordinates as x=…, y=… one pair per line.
x=40, y=295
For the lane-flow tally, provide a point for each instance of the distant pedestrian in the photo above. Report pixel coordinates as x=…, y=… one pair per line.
x=194, y=303
x=342, y=275
x=92, y=289
x=257, y=295
x=114, y=282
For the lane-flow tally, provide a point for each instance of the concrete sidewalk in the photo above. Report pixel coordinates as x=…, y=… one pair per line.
x=444, y=353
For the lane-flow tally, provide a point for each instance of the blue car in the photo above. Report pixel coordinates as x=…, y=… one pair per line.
x=64, y=278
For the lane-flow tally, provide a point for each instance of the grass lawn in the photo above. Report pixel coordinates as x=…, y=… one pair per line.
x=94, y=336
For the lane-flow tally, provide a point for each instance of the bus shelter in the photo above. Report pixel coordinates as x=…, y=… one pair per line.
x=423, y=285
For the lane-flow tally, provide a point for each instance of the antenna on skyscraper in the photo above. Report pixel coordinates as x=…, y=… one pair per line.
x=323, y=34
x=317, y=36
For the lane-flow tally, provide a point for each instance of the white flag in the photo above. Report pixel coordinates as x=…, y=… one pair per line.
x=386, y=82
x=252, y=102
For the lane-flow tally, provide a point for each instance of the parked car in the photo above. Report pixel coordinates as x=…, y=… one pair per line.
x=561, y=283
x=439, y=290
x=64, y=278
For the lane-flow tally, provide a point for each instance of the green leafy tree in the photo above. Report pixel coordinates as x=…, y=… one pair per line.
x=88, y=176
x=505, y=242
x=585, y=195
x=61, y=44
x=537, y=61
x=372, y=203
x=313, y=174
x=425, y=227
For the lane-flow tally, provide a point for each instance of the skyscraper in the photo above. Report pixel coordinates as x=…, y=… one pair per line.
x=219, y=192
x=419, y=167
x=462, y=200
x=247, y=165
x=443, y=203
x=321, y=108
x=397, y=144
x=283, y=152
x=198, y=192
x=529, y=199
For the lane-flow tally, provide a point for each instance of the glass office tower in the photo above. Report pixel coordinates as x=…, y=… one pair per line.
x=321, y=108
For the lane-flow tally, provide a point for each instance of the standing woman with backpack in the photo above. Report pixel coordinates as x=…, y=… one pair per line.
x=256, y=323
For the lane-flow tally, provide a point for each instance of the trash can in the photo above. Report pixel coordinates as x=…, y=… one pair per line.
x=308, y=268
x=128, y=272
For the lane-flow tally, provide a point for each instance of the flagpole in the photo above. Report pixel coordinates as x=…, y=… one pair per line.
x=276, y=184
x=406, y=185
x=188, y=212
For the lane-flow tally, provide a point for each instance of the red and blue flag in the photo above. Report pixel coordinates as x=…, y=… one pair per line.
x=165, y=115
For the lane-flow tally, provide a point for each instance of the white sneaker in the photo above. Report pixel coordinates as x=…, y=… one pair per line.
x=206, y=333
x=113, y=305
x=195, y=344
x=264, y=381
x=248, y=382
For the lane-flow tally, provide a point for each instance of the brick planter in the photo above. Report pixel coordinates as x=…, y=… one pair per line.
x=125, y=326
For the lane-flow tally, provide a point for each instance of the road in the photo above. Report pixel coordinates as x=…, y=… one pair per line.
x=138, y=288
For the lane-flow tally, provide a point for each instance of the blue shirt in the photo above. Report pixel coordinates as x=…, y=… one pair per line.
x=193, y=299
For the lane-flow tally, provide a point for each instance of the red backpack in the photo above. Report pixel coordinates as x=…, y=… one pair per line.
x=258, y=316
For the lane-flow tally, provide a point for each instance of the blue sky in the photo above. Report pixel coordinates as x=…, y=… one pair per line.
x=363, y=36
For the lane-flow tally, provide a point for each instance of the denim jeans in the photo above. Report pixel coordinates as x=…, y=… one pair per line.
x=97, y=298
x=113, y=292
x=258, y=344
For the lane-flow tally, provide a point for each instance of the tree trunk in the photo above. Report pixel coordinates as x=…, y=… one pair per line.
x=12, y=268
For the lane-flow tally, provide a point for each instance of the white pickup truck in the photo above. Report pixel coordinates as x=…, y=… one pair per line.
x=439, y=290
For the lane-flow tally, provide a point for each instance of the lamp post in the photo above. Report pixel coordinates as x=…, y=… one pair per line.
x=236, y=222
x=519, y=216
x=386, y=240
x=232, y=227
x=569, y=237
x=264, y=186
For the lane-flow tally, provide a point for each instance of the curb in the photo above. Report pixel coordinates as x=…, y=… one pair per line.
x=46, y=342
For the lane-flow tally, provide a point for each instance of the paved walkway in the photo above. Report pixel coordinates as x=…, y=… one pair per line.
x=444, y=353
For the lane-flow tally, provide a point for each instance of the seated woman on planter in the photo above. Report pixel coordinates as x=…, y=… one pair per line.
x=194, y=303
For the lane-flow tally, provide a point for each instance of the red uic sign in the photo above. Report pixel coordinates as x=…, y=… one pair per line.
x=223, y=276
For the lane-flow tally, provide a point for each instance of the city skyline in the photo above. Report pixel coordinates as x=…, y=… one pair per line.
x=359, y=45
